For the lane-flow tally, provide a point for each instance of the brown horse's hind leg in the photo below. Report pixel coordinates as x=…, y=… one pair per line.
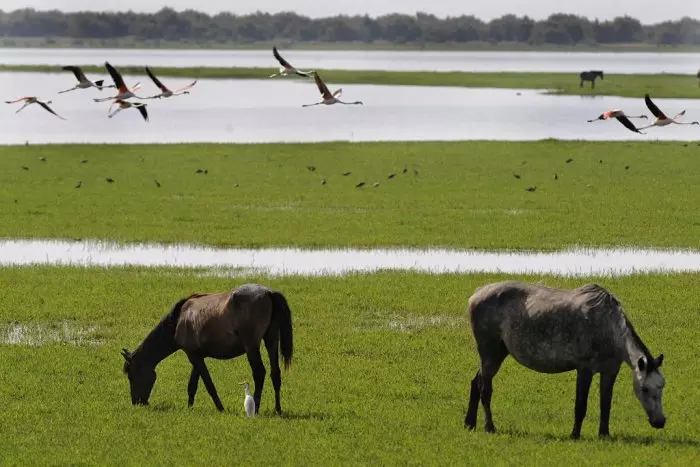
x=192, y=386
x=198, y=363
x=272, y=346
x=583, y=385
x=256, y=365
x=473, y=409
x=491, y=360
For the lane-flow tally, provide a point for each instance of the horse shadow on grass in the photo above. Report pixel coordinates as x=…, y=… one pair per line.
x=165, y=407
x=622, y=438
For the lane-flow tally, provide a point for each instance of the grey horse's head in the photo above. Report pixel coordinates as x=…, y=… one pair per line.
x=648, y=383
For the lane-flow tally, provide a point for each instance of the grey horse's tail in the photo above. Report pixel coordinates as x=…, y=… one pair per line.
x=281, y=312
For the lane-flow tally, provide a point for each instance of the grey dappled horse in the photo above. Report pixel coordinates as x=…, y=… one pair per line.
x=554, y=330
x=222, y=326
x=590, y=76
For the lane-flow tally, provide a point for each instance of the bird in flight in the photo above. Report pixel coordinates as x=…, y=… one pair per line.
x=328, y=97
x=164, y=91
x=621, y=117
x=83, y=82
x=286, y=68
x=124, y=92
x=661, y=118
x=140, y=106
x=34, y=100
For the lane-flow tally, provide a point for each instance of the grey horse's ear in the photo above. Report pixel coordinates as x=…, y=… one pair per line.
x=126, y=354
x=641, y=364
x=659, y=360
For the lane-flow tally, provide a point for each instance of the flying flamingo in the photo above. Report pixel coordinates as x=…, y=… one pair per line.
x=124, y=92
x=329, y=98
x=621, y=117
x=33, y=100
x=140, y=106
x=83, y=82
x=286, y=68
x=661, y=119
x=165, y=92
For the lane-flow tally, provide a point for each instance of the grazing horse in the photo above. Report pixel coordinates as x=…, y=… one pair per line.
x=552, y=331
x=590, y=76
x=223, y=326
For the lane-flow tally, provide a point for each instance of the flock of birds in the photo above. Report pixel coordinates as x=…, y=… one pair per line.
x=660, y=120
x=286, y=68
x=124, y=92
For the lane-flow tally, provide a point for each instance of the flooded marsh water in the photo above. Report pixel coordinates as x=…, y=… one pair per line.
x=306, y=262
x=40, y=334
x=270, y=111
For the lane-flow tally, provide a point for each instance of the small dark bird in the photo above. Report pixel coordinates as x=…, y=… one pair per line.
x=311, y=168
x=323, y=182
x=627, y=167
x=202, y=171
x=109, y=180
x=345, y=174
x=523, y=163
x=516, y=176
x=84, y=161
x=404, y=170
x=600, y=161
x=156, y=182
x=556, y=177
x=25, y=167
x=415, y=172
x=80, y=183
x=531, y=189
x=375, y=184
x=43, y=159
x=235, y=185
x=569, y=160
x=360, y=185
x=391, y=175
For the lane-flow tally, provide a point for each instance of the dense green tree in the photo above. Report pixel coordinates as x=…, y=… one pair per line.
x=421, y=28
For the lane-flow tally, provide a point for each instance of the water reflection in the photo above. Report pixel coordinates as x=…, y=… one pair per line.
x=259, y=111
x=295, y=261
x=482, y=61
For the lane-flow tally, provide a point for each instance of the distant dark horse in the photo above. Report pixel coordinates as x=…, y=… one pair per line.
x=552, y=331
x=223, y=326
x=590, y=76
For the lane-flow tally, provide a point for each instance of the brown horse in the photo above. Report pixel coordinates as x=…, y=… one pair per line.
x=223, y=326
x=552, y=331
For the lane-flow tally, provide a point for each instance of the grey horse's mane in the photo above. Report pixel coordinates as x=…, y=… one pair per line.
x=596, y=296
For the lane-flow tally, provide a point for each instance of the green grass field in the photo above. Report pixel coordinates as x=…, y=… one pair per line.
x=380, y=376
x=635, y=85
x=464, y=194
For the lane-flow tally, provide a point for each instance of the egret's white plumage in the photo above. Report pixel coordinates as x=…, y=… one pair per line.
x=248, y=402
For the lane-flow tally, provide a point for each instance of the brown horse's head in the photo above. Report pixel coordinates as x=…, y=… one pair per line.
x=141, y=378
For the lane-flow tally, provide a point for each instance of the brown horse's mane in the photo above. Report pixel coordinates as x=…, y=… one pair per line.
x=161, y=336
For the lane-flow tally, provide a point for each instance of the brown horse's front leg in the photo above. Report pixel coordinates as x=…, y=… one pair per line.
x=607, y=381
x=583, y=386
x=256, y=365
x=201, y=367
x=192, y=386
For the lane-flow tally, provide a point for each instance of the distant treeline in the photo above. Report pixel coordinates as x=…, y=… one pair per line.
x=170, y=25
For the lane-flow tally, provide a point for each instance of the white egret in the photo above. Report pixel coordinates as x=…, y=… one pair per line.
x=248, y=402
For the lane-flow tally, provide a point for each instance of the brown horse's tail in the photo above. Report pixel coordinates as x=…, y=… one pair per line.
x=283, y=315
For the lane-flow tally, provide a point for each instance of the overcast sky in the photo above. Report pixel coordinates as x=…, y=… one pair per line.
x=647, y=11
